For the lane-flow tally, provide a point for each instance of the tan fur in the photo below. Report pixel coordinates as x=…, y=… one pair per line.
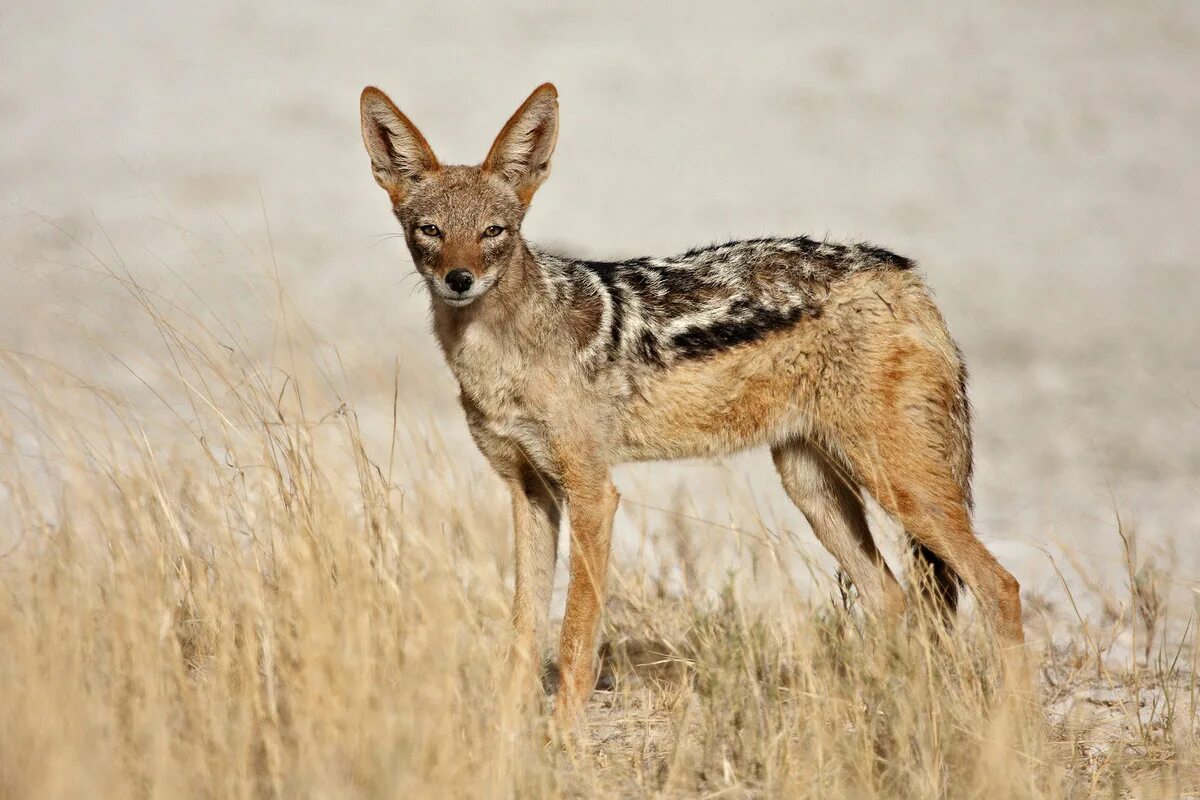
x=866, y=393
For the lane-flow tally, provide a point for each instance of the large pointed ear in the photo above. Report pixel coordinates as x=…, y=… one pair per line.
x=399, y=153
x=521, y=153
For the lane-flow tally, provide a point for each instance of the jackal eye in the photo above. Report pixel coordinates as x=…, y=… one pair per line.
x=430, y=230
x=493, y=230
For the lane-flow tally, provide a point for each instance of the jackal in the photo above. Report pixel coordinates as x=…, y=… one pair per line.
x=834, y=356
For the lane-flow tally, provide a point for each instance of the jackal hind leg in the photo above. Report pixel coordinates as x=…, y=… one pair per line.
x=829, y=498
x=912, y=453
x=930, y=505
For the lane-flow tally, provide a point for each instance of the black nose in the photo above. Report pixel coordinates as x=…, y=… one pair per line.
x=459, y=280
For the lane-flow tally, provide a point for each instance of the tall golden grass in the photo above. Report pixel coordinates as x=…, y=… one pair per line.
x=254, y=601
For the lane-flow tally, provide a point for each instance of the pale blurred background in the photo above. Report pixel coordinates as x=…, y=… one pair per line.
x=1040, y=160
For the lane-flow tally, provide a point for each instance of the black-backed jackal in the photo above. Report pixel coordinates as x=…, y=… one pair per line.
x=833, y=356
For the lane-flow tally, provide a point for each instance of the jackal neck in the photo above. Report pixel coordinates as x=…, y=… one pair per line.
x=516, y=313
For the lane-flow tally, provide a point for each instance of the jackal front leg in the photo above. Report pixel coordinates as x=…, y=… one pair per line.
x=592, y=501
x=537, y=504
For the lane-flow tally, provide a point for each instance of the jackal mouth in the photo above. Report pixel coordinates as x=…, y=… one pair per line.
x=460, y=299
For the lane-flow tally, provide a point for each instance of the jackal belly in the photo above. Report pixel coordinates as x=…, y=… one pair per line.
x=748, y=396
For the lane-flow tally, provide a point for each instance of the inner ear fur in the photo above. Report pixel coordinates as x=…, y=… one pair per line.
x=399, y=153
x=521, y=153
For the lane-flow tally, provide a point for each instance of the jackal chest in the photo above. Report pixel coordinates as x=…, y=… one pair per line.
x=494, y=372
x=509, y=431
x=507, y=397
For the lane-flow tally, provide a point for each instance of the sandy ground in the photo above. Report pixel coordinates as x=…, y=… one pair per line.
x=1039, y=160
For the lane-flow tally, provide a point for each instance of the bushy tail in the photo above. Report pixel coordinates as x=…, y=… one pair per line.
x=937, y=584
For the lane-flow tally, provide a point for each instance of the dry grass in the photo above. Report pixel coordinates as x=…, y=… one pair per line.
x=251, y=601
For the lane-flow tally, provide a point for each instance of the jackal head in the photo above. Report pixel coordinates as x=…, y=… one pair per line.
x=462, y=223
